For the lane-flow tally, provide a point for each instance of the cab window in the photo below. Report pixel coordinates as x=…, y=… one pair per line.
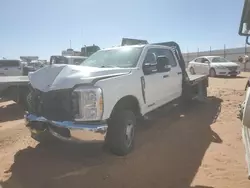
x=153, y=53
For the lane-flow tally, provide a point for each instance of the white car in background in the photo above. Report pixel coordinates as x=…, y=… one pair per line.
x=213, y=66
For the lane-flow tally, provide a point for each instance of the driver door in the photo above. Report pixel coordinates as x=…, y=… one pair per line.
x=156, y=83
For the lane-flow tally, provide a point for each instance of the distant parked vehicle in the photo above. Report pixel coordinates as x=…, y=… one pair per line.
x=213, y=66
x=71, y=60
x=10, y=67
x=31, y=67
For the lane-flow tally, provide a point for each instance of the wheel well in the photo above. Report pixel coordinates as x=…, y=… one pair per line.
x=129, y=103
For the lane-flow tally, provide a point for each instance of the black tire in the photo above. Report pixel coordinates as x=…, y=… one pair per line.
x=191, y=70
x=121, y=132
x=212, y=73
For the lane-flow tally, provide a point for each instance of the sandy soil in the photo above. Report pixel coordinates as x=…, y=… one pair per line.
x=198, y=146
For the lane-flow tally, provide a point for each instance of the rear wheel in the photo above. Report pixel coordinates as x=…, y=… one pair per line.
x=192, y=71
x=212, y=73
x=121, y=132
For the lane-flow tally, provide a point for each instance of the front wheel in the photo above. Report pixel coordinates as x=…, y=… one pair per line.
x=212, y=73
x=192, y=71
x=121, y=132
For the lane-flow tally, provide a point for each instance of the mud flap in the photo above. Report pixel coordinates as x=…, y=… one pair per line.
x=201, y=93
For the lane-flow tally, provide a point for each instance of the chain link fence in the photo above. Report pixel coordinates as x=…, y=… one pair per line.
x=231, y=54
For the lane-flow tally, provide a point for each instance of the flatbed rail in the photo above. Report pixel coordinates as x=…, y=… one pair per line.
x=14, y=79
x=194, y=79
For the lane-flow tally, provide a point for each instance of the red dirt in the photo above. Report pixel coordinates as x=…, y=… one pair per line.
x=199, y=146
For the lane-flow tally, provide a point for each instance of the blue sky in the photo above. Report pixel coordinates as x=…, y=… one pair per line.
x=44, y=28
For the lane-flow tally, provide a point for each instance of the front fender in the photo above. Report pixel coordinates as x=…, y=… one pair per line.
x=116, y=88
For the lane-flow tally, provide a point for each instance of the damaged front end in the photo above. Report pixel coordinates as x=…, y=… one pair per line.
x=58, y=114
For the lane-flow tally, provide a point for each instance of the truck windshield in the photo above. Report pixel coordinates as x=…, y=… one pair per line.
x=124, y=57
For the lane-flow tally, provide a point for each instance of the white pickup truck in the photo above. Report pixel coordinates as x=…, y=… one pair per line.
x=102, y=99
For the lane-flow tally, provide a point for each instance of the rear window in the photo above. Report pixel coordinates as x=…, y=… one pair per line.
x=9, y=63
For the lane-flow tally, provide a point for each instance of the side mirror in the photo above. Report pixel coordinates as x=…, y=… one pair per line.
x=149, y=68
x=207, y=62
x=150, y=64
x=247, y=40
x=163, y=64
x=244, y=29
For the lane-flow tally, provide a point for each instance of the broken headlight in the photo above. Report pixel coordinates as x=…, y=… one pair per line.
x=87, y=103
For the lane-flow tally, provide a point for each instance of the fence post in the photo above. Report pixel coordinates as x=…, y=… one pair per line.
x=245, y=48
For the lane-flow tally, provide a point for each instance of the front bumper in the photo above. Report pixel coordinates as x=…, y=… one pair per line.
x=226, y=72
x=68, y=130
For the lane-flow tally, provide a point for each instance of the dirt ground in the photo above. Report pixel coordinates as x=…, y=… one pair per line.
x=198, y=146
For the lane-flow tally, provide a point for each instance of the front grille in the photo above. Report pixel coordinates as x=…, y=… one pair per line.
x=53, y=105
x=234, y=68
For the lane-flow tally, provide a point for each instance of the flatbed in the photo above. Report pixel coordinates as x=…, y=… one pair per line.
x=193, y=79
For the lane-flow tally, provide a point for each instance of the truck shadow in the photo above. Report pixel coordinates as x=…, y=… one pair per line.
x=10, y=111
x=168, y=153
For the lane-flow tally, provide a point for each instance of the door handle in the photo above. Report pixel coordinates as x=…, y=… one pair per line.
x=5, y=68
x=179, y=73
x=165, y=76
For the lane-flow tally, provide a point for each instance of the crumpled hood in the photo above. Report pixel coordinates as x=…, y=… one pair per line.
x=61, y=76
x=225, y=64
